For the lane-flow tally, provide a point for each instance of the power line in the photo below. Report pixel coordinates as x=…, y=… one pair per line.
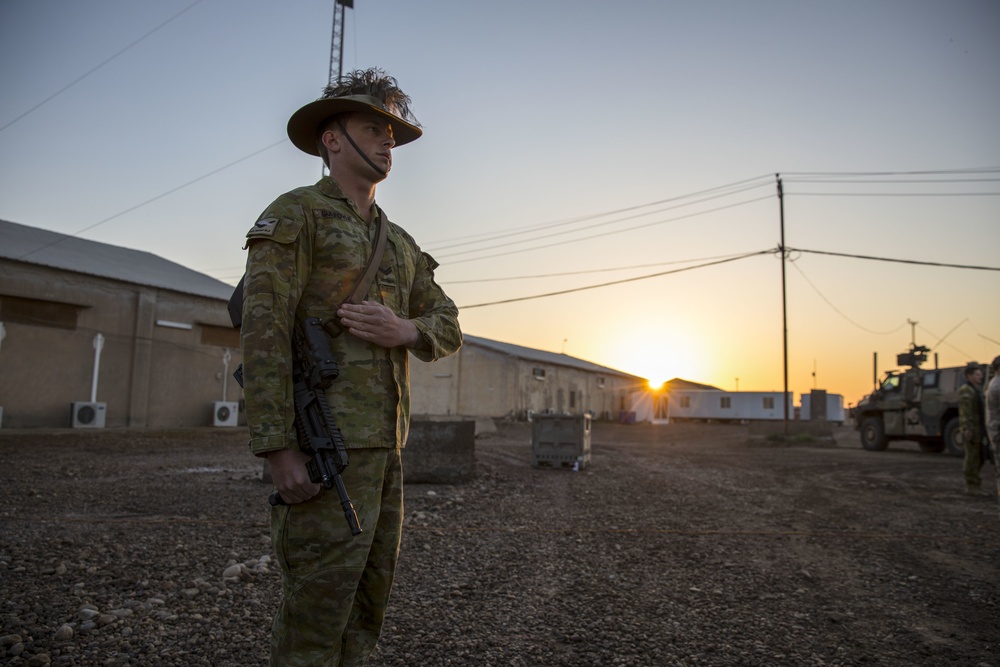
x=722, y=190
x=617, y=282
x=98, y=66
x=159, y=196
x=588, y=271
x=929, y=172
x=895, y=180
x=837, y=310
x=894, y=194
x=900, y=261
x=934, y=335
x=564, y=242
x=593, y=226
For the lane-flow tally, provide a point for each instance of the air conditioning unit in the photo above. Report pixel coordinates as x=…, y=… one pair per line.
x=225, y=413
x=87, y=414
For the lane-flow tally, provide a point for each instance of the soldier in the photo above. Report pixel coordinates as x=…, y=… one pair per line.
x=993, y=415
x=972, y=424
x=305, y=253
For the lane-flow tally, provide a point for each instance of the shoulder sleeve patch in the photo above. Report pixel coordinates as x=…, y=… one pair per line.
x=263, y=227
x=279, y=230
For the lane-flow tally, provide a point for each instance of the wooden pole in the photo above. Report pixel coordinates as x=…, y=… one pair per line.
x=784, y=299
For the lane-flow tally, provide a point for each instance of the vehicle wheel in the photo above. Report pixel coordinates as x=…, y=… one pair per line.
x=932, y=446
x=873, y=434
x=953, y=440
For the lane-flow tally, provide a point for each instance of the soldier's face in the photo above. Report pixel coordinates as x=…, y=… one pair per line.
x=373, y=135
x=976, y=376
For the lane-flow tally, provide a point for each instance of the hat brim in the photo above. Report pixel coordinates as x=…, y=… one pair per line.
x=304, y=125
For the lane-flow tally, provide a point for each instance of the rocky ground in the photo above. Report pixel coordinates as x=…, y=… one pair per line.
x=679, y=545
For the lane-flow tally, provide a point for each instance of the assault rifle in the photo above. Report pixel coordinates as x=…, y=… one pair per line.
x=313, y=371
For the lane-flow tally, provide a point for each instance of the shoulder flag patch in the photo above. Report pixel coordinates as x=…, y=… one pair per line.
x=263, y=227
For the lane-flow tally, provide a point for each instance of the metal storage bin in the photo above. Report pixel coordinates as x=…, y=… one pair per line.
x=560, y=441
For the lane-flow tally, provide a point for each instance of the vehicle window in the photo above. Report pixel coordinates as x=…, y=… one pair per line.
x=891, y=383
x=931, y=379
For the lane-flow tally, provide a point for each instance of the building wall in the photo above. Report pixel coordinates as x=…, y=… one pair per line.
x=149, y=376
x=434, y=386
x=482, y=382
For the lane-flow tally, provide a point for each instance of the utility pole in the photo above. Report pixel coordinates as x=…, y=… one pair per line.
x=784, y=299
x=336, y=50
x=337, y=39
x=913, y=332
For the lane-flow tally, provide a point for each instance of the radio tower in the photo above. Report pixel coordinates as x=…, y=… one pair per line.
x=337, y=40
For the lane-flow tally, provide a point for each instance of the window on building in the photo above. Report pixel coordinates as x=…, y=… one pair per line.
x=769, y=402
x=572, y=400
x=600, y=382
x=220, y=336
x=538, y=373
x=725, y=402
x=685, y=401
x=38, y=313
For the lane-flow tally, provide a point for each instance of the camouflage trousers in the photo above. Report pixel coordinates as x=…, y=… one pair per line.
x=973, y=461
x=335, y=587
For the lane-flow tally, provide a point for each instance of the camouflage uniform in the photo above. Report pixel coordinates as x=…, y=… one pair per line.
x=993, y=416
x=970, y=420
x=305, y=255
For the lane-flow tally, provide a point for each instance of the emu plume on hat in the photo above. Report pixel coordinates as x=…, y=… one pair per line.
x=361, y=90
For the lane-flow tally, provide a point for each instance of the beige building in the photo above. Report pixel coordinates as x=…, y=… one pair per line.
x=158, y=334
x=488, y=378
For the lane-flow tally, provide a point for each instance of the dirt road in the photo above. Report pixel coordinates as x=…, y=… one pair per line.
x=679, y=545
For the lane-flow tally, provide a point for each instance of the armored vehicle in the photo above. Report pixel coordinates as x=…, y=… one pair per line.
x=915, y=404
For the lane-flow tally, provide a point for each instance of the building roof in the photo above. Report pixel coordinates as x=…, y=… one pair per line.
x=30, y=245
x=678, y=384
x=541, y=356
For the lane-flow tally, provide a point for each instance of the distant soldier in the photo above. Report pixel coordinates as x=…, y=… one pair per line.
x=993, y=415
x=973, y=426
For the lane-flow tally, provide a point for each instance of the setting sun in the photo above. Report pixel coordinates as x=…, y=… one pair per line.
x=658, y=354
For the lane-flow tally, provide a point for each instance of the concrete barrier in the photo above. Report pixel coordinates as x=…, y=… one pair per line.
x=440, y=451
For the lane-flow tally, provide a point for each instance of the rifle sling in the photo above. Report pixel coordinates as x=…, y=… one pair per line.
x=360, y=290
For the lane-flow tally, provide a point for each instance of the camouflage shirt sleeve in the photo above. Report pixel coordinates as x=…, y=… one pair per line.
x=433, y=313
x=277, y=268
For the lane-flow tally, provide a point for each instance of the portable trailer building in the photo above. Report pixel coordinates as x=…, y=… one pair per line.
x=729, y=406
x=834, y=407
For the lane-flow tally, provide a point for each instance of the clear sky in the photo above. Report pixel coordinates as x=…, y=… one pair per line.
x=599, y=141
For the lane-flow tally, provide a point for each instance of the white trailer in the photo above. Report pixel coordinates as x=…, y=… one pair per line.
x=834, y=408
x=729, y=406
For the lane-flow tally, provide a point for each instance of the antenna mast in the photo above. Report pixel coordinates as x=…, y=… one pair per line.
x=337, y=39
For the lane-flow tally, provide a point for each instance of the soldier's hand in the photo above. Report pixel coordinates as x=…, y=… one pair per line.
x=377, y=324
x=290, y=477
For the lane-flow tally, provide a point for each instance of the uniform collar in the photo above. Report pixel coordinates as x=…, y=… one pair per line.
x=331, y=188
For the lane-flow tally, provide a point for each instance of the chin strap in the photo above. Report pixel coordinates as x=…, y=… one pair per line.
x=382, y=172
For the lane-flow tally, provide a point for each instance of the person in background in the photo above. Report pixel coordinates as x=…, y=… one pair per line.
x=305, y=254
x=993, y=415
x=973, y=426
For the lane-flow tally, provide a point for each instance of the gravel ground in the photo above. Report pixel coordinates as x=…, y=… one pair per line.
x=679, y=545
